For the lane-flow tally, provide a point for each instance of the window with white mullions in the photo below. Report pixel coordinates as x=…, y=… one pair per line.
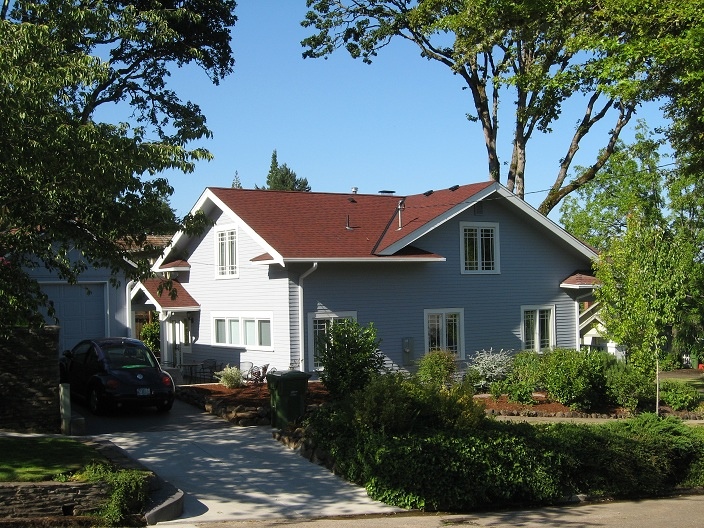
x=538, y=327
x=227, y=253
x=249, y=331
x=480, y=247
x=318, y=325
x=444, y=330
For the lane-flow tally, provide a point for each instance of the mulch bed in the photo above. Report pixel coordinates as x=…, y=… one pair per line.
x=257, y=395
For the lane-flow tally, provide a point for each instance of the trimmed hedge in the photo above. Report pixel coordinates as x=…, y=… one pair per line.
x=498, y=463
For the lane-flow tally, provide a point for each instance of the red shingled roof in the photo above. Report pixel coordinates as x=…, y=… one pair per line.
x=182, y=301
x=580, y=279
x=301, y=225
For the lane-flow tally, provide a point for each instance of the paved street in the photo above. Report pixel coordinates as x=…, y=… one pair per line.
x=678, y=512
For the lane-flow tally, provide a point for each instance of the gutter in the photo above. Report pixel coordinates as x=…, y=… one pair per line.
x=301, y=322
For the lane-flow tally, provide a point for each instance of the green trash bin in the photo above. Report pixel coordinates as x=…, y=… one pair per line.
x=287, y=392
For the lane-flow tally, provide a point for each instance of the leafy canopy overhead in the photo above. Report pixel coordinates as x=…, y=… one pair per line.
x=537, y=57
x=73, y=185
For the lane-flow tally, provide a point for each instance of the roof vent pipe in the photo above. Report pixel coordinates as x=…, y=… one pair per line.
x=401, y=207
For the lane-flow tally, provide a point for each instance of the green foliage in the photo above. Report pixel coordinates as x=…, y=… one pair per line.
x=349, y=355
x=129, y=490
x=628, y=387
x=230, y=377
x=524, y=378
x=437, y=368
x=576, y=378
x=282, y=178
x=151, y=336
x=495, y=463
x=679, y=395
x=651, y=252
x=88, y=193
x=483, y=43
x=598, y=210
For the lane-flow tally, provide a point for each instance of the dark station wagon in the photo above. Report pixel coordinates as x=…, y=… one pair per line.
x=116, y=372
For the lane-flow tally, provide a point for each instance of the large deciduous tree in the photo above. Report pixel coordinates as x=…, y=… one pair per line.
x=535, y=53
x=632, y=179
x=611, y=54
x=71, y=183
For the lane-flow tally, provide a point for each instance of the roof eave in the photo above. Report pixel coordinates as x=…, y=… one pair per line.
x=308, y=260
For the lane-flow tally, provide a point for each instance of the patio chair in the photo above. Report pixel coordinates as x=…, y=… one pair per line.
x=246, y=370
x=207, y=369
x=258, y=374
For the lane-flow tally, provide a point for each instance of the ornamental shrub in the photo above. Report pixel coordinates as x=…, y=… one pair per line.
x=628, y=387
x=491, y=366
x=524, y=378
x=151, y=336
x=576, y=378
x=349, y=356
x=230, y=377
x=679, y=395
x=437, y=369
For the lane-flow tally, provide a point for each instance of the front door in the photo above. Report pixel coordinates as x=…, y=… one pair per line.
x=181, y=341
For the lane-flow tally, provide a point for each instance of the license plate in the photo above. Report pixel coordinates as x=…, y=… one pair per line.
x=144, y=391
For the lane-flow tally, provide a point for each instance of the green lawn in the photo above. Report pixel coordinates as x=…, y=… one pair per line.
x=693, y=377
x=33, y=459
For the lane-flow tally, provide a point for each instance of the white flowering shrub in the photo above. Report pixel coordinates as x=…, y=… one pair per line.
x=489, y=366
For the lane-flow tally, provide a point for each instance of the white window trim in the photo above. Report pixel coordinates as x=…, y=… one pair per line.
x=312, y=316
x=553, y=326
x=217, y=232
x=428, y=311
x=242, y=316
x=497, y=245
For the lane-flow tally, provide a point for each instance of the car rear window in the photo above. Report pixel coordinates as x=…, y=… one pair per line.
x=129, y=357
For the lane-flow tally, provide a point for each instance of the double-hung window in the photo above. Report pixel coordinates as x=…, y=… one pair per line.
x=479, y=247
x=226, y=257
x=245, y=330
x=538, y=327
x=444, y=330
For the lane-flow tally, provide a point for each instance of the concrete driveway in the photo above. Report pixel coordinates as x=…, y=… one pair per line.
x=228, y=473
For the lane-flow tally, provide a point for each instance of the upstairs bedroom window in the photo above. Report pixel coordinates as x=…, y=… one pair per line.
x=538, y=328
x=226, y=248
x=479, y=247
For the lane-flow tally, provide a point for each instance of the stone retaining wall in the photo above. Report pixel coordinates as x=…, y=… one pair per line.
x=235, y=414
x=50, y=499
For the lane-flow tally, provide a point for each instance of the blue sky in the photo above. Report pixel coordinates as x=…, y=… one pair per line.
x=398, y=124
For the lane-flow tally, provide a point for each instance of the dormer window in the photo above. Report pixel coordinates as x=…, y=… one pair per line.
x=227, y=253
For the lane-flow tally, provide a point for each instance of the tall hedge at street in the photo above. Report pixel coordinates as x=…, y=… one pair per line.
x=413, y=459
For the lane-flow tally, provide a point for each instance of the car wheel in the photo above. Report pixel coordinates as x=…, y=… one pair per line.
x=164, y=406
x=94, y=403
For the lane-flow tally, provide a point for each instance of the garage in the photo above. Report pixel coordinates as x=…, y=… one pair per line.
x=81, y=309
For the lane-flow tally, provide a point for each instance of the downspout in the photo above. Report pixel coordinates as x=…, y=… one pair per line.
x=128, y=307
x=301, y=321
